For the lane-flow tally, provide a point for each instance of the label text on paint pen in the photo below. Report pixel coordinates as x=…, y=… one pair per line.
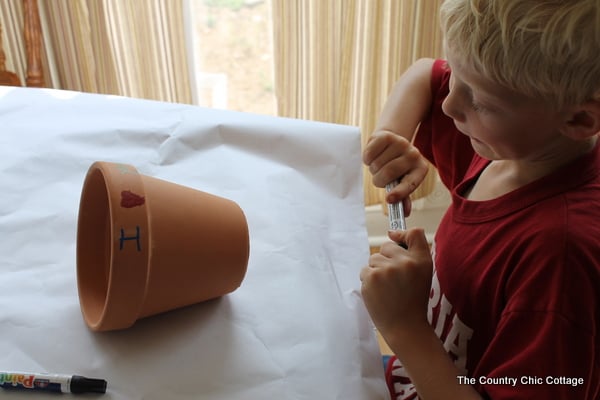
x=17, y=379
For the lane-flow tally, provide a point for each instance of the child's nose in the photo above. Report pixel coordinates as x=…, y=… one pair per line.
x=453, y=107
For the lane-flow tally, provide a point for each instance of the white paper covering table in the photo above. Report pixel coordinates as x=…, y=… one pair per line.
x=295, y=329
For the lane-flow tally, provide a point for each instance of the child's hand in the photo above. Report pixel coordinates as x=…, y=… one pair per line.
x=397, y=283
x=390, y=156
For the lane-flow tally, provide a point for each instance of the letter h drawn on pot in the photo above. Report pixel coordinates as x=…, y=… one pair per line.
x=146, y=246
x=124, y=238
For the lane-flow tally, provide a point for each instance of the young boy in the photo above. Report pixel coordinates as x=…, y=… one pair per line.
x=506, y=305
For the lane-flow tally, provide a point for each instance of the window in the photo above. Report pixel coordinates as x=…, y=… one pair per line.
x=232, y=48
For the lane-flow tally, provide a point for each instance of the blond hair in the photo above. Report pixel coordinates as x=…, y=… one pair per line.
x=546, y=49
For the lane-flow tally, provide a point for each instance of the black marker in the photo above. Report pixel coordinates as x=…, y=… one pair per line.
x=51, y=382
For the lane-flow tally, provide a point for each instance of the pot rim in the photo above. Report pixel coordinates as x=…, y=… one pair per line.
x=112, y=290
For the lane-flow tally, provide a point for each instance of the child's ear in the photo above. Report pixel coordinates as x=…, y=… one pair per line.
x=583, y=121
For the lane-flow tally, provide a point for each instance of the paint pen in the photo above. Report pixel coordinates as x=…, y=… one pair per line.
x=396, y=212
x=51, y=382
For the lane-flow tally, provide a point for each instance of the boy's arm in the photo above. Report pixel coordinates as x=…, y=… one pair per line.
x=409, y=100
x=429, y=366
x=395, y=288
x=389, y=153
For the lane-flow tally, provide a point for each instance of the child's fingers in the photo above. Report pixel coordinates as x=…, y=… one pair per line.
x=414, y=239
x=417, y=170
x=376, y=144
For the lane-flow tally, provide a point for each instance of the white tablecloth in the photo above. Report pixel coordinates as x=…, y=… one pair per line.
x=295, y=329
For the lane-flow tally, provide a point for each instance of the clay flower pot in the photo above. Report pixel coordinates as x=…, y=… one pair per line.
x=145, y=246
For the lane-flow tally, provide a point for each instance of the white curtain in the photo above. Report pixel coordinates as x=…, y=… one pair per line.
x=133, y=48
x=336, y=60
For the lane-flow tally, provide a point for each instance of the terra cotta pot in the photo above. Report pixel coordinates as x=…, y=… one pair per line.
x=145, y=246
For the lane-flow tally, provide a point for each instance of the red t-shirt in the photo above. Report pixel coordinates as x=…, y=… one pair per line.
x=516, y=291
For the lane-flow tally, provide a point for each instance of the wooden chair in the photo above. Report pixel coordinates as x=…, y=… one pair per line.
x=32, y=33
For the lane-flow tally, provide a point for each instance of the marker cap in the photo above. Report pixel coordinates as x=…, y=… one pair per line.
x=81, y=384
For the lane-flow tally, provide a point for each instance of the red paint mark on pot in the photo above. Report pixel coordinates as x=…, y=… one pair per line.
x=130, y=199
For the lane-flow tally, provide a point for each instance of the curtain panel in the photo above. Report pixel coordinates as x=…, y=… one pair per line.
x=336, y=60
x=125, y=47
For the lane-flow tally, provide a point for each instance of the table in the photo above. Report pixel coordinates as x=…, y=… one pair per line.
x=295, y=329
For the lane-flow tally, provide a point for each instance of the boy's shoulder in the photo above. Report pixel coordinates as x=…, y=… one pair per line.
x=567, y=222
